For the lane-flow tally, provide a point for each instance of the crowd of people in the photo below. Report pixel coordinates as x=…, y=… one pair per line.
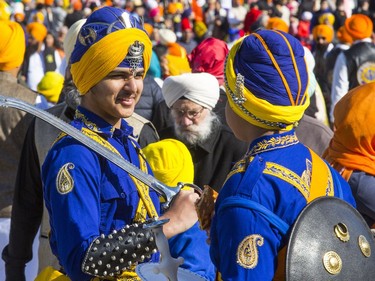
x=243, y=97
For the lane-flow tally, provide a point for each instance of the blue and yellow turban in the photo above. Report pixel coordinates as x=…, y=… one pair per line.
x=266, y=79
x=110, y=38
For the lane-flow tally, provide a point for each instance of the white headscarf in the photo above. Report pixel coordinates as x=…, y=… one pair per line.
x=201, y=88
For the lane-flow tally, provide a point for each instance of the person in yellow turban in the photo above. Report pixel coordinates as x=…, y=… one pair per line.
x=5, y=10
x=13, y=125
x=12, y=45
x=266, y=81
x=108, y=64
x=51, y=85
x=326, y=18
x=172, y=163
x=352, y=149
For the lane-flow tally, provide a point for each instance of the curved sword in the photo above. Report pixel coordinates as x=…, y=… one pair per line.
x=167, y=192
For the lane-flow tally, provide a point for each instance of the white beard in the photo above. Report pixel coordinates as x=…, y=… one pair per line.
x=197, y=134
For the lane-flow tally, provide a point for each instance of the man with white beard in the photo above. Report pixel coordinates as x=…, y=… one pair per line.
x=213, y=147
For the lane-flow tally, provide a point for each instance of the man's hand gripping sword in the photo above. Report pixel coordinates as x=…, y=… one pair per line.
x=167, y=192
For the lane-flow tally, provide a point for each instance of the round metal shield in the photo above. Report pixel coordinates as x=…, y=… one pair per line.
x=330, y=241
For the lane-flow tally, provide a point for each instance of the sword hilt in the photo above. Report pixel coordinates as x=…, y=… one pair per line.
x=170, y=192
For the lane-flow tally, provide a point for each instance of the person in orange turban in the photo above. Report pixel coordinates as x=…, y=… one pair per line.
x=277, y=23
x=38, y=59
x=323, y=32
x=12, y=45
x=359, y=26
x=37, y=30
x=357, y=66
x=352, y=148
x=343, y=36
x=323, y=36
x=344, y=43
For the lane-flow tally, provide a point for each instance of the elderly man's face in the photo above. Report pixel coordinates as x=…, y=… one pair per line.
x=116, y=95
x=192, y=122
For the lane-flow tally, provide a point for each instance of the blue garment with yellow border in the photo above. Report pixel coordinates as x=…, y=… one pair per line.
x=87, y=195
x=244, y=244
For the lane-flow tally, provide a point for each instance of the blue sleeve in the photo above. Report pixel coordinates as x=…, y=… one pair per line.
x=74, y=213
x=192, y=245
x=243, y=245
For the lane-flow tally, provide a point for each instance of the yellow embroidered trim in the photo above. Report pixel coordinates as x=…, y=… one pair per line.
x=307, y=174
x=247, y=251
x=330, y=189
x=143, y=191
x=273, y=143
x=289, y=176
x=145, y=205
x=91, y=125
x=240, y=166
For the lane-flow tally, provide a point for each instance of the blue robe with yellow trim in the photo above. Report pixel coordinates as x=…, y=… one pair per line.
x=87, y=195
x=276, y=174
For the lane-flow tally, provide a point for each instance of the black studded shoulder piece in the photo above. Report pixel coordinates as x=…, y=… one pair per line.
x=109, y=256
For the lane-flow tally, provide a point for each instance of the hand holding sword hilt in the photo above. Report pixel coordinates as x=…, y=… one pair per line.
x=170, y=192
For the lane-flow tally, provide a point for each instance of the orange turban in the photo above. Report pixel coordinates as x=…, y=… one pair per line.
x=359, y=26
x=174, y=8
x=343, y=36
x=353, y=144
x=37, y=30
x=323, y=30
x=20, y=17
x=77, y=5
x=149, y=28
x=177, y=50
x=277, y=23
x=12, y=45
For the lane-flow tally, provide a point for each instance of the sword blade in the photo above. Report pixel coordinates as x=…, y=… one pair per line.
x=167, y=192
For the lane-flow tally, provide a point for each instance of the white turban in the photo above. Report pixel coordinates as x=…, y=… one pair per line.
x=71, y=38
x=167, y=36
x=201, y=88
